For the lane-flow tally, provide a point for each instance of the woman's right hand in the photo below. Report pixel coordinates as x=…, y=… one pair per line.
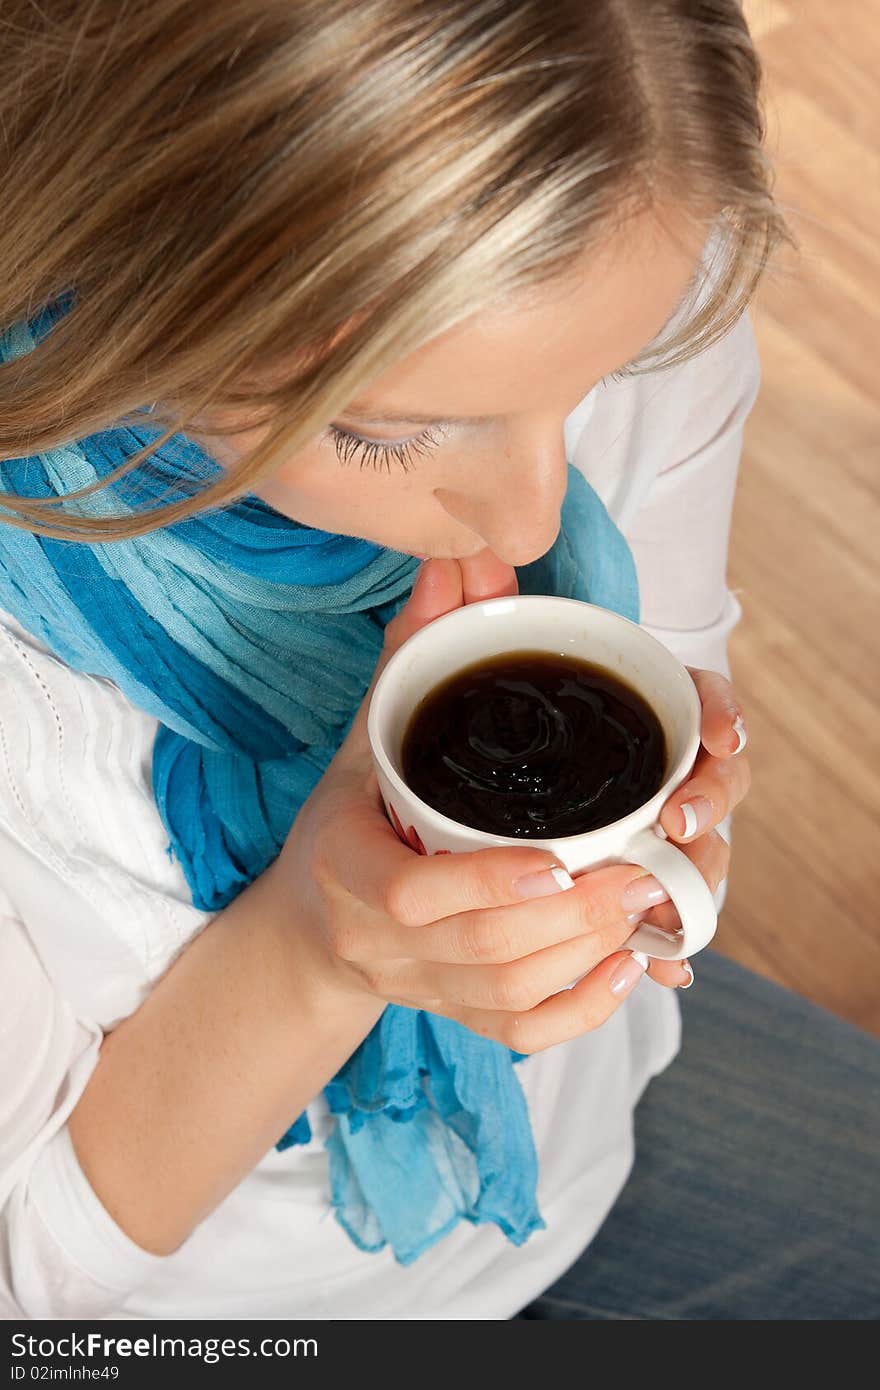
x=490, y=938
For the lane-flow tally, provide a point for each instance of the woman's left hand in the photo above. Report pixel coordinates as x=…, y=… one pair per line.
x=718, y=783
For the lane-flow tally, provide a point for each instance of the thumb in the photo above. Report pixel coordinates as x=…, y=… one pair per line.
x=437, y=590
x=443, y=585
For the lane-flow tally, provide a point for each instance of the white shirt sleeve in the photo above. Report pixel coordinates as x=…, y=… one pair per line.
x=663, y=452
x=680, y=535
x=92, y=912
x=61, y=1254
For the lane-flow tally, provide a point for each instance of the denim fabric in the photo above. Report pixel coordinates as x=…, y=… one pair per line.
x=755, y=1189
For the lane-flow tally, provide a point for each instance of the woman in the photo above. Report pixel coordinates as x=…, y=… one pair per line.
x=247, y=243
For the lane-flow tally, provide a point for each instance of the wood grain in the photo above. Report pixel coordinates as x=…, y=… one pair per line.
x=805, y=885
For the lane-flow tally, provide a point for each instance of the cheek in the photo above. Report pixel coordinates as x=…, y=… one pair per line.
x=318, y=472
x=348, y=487
x=319, y=491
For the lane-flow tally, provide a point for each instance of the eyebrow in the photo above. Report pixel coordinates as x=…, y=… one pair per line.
x=363, y=410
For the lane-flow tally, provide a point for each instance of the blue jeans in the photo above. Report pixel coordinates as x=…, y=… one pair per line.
x=754, y=1193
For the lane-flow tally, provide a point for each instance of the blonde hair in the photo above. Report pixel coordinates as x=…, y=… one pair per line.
x=268, y=202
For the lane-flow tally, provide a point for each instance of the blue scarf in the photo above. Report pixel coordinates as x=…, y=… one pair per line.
x=252, y=640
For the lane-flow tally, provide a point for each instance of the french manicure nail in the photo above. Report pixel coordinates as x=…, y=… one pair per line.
x=628, y=973
x=696, y=816
x=542, y=884
x=689, y=971
x=643, y=892
x=742, y=737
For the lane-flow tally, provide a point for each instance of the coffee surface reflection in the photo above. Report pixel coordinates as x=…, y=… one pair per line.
x=534, y=745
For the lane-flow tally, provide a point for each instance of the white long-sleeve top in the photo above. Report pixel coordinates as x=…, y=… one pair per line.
x=93, y=911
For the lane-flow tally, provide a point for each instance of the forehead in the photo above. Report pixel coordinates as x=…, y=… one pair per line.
x=542, y=351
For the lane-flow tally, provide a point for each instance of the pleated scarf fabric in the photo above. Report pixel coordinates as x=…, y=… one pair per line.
x=252, y=640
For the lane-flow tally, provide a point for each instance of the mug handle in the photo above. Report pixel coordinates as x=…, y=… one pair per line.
x=688, y=890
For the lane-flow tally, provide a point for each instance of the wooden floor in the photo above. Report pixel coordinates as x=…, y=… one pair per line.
x=804, y=897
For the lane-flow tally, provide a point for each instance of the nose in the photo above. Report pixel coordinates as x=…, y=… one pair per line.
x=511, y=496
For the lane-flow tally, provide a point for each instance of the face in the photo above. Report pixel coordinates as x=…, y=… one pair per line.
x=459, y=446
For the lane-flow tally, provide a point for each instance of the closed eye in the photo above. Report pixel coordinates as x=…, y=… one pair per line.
x=377, y=455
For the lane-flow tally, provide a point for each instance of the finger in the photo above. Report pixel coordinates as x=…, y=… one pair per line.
x=437, y=591
x=363, y=857
x=484, y=576
x=674, y=974
x=711, y=855
x=722, y=729
x=714, y=788
x=563, y=1016
x=514, y=987
x=594, y=907
x=489, y=905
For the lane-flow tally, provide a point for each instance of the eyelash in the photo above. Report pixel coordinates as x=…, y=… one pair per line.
x=378, y=456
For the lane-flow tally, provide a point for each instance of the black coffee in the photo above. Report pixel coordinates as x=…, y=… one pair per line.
x=535, y=745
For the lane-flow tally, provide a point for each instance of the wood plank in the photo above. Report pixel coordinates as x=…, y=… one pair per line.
x=805, y=576
x=820, y=427
x=781, y=924
x=832, y=54
x=765, y=16
x=806, y=868
x=818, y=713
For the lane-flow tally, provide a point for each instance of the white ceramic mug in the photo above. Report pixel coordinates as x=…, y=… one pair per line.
x=568, y=628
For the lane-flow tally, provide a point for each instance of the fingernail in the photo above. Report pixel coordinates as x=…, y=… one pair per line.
x=541, y=885
x=742, y=737
x=688, y=970
x=628, y=973
x=696, y=817
x=643, y=892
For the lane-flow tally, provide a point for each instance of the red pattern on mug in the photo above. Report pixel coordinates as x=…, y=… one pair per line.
x=410, y=837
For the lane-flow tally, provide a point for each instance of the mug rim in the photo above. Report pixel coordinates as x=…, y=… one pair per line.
x=634, y=820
